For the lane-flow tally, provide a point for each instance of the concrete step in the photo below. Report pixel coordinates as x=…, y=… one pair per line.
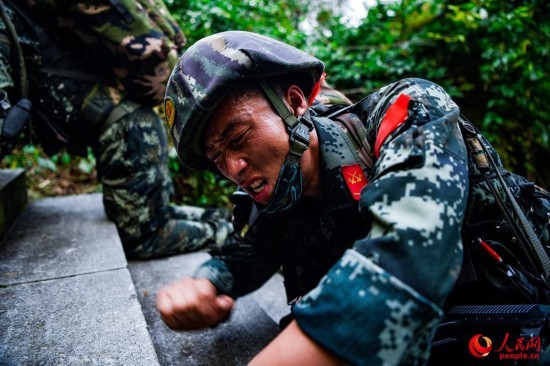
x=271, y=297
x=66, y=296
x=69, y=297
x=13, y=197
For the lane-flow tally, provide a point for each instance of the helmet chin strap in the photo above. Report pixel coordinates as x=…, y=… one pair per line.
x=288, y=188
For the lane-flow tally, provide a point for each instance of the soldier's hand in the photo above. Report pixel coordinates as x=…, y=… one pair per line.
x=190, y=304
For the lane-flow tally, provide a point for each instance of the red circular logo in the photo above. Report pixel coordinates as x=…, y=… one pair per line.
x=480, y=346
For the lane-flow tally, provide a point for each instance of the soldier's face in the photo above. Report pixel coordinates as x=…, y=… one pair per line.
x=248, y=142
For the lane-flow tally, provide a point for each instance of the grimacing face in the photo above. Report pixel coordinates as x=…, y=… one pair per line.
x=248, y=141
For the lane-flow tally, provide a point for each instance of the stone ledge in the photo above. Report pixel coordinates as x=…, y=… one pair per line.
x=90, y=319
x=60, y=237
x=66, y=296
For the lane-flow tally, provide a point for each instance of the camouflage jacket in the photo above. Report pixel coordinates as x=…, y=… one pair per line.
x=134, y=44
x=111, y=52
x=387, y=253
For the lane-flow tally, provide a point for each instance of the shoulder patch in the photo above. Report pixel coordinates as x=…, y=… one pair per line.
x=355, y=179
x=170, y=111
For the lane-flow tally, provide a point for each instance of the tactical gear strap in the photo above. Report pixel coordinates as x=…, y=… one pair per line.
x=281, y=108
x=359, y=108
x=524, y=231
x=97, y=106
x=299, y=137
x=100, y=111
x=21, y=68
x=119, y=111
x=289, y=184
x=75, y=74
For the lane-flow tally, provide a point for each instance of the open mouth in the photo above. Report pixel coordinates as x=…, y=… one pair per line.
x=257, y=186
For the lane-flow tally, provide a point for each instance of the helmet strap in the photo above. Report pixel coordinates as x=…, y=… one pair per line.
x=288, y=188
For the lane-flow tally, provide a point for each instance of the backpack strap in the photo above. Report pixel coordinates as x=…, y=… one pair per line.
x=355, y=132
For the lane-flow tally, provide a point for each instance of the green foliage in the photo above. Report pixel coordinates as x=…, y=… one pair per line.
x=277, y=19
x=492, y=56
x=31, y=156
x=204, y=189
x=514, y=72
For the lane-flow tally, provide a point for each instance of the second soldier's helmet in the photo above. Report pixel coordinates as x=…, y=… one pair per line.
x=210, y=68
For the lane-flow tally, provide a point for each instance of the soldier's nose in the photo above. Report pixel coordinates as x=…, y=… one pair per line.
x=235, y=167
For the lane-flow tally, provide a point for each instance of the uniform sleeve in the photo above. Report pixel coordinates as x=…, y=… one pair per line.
x=381, y=302
x=247, y=259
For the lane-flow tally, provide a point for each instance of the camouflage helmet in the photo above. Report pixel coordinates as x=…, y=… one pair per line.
x=210, y=68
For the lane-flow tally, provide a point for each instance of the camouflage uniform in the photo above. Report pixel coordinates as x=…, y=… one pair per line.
x=386, y=268
x=132, y=43
x=97, y=68
x=381, y=249
x=367, y=266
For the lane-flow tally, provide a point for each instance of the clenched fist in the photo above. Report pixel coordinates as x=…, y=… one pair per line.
x=191, y=303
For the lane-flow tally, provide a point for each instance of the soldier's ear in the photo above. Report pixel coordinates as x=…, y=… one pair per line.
x=296, y=100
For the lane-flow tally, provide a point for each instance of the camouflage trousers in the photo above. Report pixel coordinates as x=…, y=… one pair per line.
x=132, y=157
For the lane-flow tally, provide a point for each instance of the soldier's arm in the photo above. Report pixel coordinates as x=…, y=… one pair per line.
x=294, y=347
x=244, y=263
x=380, y=303
x=249, y=256
x=206, y=299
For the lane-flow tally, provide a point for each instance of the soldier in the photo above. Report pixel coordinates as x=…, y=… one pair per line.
x=95, y=71
x=363, y=212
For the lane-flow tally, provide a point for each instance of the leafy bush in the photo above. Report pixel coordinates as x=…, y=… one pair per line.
x=60, y=174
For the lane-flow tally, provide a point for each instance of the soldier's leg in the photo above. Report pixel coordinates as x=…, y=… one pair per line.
x=132, y=156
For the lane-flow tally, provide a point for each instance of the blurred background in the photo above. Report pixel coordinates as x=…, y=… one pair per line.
x=491, y=56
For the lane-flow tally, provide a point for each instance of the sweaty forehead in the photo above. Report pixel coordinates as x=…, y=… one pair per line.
x=219, y=133
x=219, y=123
x=238, y=104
